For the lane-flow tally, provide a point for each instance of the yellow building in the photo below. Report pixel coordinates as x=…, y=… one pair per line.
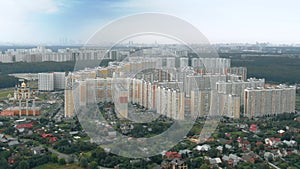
x=69, y=103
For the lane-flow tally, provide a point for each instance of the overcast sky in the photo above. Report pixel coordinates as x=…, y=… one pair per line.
x=44, y=21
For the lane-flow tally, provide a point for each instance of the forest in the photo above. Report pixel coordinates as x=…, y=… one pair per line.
x=35, y=67
x=273, y=69
x=7, y=81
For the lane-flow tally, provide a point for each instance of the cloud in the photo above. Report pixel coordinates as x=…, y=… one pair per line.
x=17, y=17
x=219, y=20
x=28, y=6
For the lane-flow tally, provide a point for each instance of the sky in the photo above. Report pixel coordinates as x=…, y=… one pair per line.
x=221, y=21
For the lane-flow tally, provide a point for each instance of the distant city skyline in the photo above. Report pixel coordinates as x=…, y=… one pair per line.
x=73, y=22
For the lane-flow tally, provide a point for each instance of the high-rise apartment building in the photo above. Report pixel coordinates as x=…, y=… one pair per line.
x=59, y=80
x=46, y=81
x=51, y=81
x=69, y=103
x=172, y=88
x=269, y=101
x=237, y=87
x=211, y=65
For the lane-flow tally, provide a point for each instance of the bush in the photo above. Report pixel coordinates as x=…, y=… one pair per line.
x=93, y=165
x=54, y=158
x=62, y=161
x=83, y=162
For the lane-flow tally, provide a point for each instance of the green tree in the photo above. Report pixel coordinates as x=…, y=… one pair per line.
x=213, y=153
x=204, y=166
x=54, y=158
x=3, y=163
x=283, y=165
x=93, y=165
x=195, y=162
x=62, y=161
x=261, y=166
x=261, y=147
x=83, y=162
x=23, y=165
x=99, y=153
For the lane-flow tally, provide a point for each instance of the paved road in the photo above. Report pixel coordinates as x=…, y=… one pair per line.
x=67, y=157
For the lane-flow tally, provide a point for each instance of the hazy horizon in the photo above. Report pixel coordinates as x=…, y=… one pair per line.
x=73, y=22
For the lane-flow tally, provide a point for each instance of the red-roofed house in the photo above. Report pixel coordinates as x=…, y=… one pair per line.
x=47, y=135
x=253, y=128
x=53, y=139
x=28, y=125
x=172, y=155
x=13, y=159
x=230, y=162
x=281, y=132
x=244, y=144
x=227, y=134
x=272, y=141
x=259, y=143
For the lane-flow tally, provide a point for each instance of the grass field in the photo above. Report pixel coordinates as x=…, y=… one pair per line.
x=5, y=92
x=57, y=166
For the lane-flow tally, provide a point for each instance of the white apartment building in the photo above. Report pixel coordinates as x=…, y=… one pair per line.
x=237, y=87
x=51, y=81
x=212, y=65
x=45, y=81
x=59, y=80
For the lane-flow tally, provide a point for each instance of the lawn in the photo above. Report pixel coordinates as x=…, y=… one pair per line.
x=42, y=96
x=84, y=138
x=5, y=92
x=238, y=133
x=57, y=166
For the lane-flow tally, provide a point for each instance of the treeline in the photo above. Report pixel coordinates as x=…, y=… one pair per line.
x=273, y=69
x=37, y=67
x=7, y=81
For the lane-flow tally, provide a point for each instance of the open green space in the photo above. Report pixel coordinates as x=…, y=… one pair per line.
x=5, y=92
x=57, y=166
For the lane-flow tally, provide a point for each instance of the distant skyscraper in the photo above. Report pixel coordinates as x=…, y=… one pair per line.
x=211, y=65
x=170, y=62
x=113, y=54
x=184, y=62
